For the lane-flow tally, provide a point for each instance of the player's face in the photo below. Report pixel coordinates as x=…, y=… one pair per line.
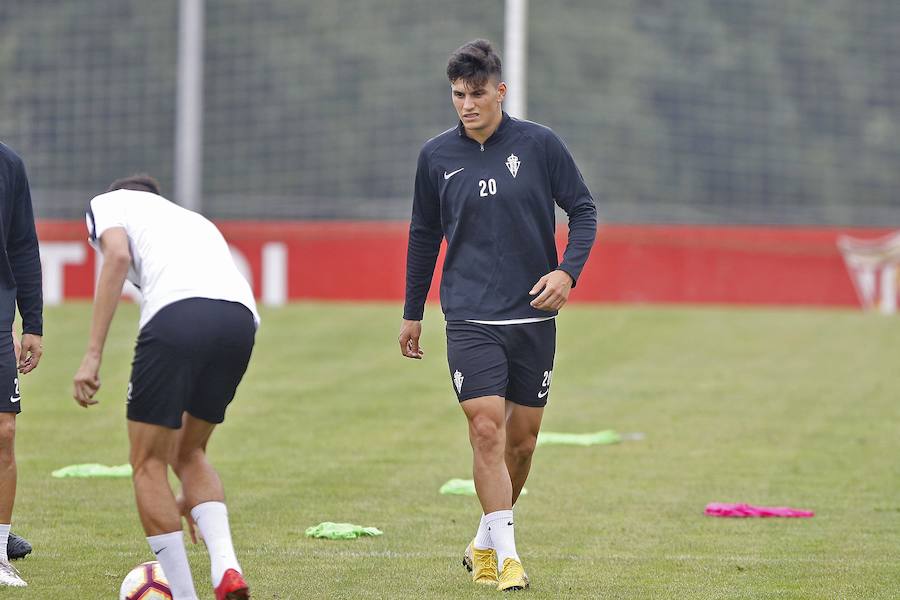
x=479, y=107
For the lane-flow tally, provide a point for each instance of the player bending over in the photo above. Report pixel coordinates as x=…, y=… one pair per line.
x=198, y=321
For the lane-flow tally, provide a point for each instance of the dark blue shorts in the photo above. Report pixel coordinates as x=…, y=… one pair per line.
x=511, y=361
x=10, y=398
x=190, y=357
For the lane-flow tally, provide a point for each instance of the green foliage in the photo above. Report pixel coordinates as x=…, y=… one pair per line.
x=734, y=111
x=331, y=423
x=692, y=111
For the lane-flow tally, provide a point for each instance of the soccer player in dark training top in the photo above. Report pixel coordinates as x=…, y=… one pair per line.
x=490, y=186
x=20, y=285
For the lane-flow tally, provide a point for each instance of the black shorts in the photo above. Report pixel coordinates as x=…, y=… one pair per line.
x=190, y=357
x=10, y=398
x=511, y=361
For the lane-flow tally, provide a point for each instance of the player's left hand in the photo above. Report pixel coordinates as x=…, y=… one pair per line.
x=87, y=380
x=30, y=354
x=556, y=286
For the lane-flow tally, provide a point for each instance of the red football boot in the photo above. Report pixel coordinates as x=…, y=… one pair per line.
x=232, y=587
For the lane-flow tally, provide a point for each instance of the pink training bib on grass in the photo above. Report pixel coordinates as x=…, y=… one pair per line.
x=718, y=509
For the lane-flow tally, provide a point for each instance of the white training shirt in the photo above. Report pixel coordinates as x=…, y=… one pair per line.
x=175, y=253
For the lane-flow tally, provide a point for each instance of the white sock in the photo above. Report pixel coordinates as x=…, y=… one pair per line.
x=4, y=538
x=212, y=520
x=503, y=540
x=483, y=536
x=169, y=551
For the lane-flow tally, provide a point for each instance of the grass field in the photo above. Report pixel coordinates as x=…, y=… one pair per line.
x=773, y=407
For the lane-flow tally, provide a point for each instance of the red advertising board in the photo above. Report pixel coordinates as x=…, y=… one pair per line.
x=648, y=264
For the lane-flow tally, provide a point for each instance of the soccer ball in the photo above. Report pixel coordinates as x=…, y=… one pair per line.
x=145, y=582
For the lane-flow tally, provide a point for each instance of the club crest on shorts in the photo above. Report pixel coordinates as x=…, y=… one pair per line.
x=458, y=381
x=512, y=163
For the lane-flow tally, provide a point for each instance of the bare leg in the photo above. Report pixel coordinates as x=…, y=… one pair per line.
x=487, y=434
x=199, y=480
x=8, y=575
x=522, y=426
x=7, y=466
x=203, y=501
x=150, y=449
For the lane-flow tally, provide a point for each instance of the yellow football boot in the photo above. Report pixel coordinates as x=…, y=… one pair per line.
x=482, y=564
x=512, y=577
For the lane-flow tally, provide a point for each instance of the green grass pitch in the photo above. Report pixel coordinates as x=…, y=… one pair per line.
x=772, y=407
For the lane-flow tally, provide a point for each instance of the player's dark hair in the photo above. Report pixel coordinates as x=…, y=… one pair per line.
x=140, y=182
x=474, y=62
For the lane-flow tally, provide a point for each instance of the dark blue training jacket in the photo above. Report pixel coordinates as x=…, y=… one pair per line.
x=20, y=265
x=495, y=205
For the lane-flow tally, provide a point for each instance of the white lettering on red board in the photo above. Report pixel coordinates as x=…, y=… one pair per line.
x=56, y=256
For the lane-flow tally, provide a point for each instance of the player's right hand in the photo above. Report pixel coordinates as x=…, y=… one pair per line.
x=87, y=380
x=410, y=332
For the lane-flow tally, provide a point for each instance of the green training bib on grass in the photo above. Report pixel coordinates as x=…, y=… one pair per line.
x=92, y=470
x=341, y=531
